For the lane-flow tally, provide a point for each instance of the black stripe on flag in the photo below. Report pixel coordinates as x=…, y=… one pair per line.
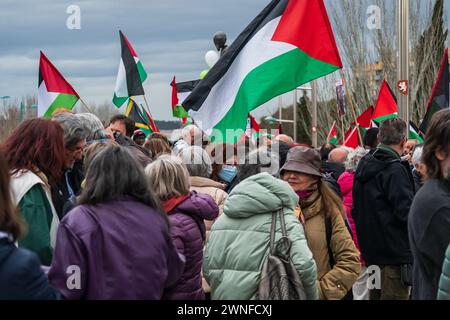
x=186, y=86
x=195, y=100
x=134, y=83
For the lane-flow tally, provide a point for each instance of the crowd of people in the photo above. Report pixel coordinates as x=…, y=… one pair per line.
x=88, y=212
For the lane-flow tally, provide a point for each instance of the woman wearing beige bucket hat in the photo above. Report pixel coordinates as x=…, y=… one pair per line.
x=323, y=213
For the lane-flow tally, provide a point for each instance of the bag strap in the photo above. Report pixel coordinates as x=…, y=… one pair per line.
x=272, y=232
x=329, y=233
x=283, y=225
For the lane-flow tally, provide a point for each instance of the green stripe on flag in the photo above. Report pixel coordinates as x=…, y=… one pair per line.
x=272, y=78
x=119, y=101
x=63, y=100
x=141, y=70
x=388, y=116
x=179, y=112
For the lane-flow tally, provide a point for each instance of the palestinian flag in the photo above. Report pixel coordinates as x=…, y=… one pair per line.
x=415, y=133
x=288, y=44
x=179, y=93
x=254, y=126
x=351, y=140
x=141, y=118
x=131, y=74
x=386, y=106
x=440, y=97
x=365, y=120
x=53, y=90
x=332, y=135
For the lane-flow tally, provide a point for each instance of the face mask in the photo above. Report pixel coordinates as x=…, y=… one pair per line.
x=228, y=173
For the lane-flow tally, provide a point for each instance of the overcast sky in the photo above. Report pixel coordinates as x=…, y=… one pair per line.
x=170, y=37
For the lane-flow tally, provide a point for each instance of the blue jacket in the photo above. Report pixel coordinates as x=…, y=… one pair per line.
x=21, y=277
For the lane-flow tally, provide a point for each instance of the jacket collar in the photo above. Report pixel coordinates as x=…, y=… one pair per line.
x=205, y=182
x=172, y=203
x=390, y=150
x=311, y=206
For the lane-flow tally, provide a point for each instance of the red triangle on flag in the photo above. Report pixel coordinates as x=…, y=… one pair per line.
x=128, y=44
x=386, y=106
x=365, y=119
x=304, y=15
x=174, y=93
x=54, y=81
x=352, y=140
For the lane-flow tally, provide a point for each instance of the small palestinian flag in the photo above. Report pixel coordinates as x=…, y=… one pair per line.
x=53, y=90
x=386, y=106
x=254, y=126
x=141, y=118
x=415, y=133
x=365, y=120
x=179, y=93
x=131, y=74
x=352, y=139
x=332, y=135
x=440, y=97
x=288, y=44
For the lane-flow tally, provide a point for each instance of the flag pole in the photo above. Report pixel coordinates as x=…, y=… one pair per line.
x=351, y=105
x=147, y=108
x=85, y=105
x=343, y=129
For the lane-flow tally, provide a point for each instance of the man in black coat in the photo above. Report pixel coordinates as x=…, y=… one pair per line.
x=429, y=218
x=382, y=194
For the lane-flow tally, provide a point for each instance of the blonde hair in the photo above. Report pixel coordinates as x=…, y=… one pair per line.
x=168, y=177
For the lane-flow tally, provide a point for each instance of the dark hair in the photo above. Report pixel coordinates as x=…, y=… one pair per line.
x=36, y=144
x=392, y=131
x=157, y=144
x=437, y=140
x=113, y=173
x=129, y=123
x=9, y=217
x=371, y=138
x=326, y=149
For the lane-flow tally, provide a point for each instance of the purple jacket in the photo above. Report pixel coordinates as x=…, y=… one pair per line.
x=188, y=234
x=122, y=248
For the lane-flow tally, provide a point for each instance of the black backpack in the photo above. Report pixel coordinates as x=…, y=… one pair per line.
x=279, y=277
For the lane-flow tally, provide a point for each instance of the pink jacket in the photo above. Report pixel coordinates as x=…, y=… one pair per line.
x=345, y=181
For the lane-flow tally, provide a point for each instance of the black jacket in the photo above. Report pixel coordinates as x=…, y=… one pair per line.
x=382, y=195
x=417, y=180
x=60, y=192
x=333, y=168
x=429, y=234
x=21, y=277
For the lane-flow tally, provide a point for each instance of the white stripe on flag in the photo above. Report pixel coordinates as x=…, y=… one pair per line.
x=45, y=99
x=121, y=82
x=257, y=51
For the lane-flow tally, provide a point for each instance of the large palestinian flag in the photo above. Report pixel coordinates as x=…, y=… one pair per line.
x=53, y=90
x=288, y=44
x=440, y=97
x=141, y=118
x=386, y=106
x=131, y=74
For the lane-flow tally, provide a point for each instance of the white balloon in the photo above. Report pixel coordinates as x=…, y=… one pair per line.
x=211, y=57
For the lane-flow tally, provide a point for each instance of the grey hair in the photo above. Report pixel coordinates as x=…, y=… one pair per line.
x=392, y=131
x=73, y=128
x=92, y=126
x=417, y=155
x=197, y=161
x=168, y=177
x=354, y=157
x=197, y=134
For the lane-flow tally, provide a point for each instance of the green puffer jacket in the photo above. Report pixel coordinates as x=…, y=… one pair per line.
x=444, y=283
x=239, y=240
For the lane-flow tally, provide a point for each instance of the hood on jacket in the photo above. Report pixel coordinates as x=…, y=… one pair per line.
x=199, y=206
x=334, y=168
x=373, y=163
x=5, y=249
x=259, y=194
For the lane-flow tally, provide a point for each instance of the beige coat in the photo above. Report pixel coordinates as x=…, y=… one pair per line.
x=216, y=191
x=333, y=283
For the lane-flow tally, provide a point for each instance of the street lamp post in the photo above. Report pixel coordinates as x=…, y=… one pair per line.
x=403, y=55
